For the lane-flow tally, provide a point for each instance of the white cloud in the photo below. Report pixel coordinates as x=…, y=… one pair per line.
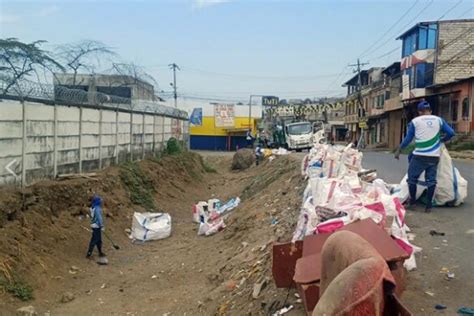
x=207, y=3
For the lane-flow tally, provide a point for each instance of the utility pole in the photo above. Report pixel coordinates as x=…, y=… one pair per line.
x=360, y=108
x=173, y=66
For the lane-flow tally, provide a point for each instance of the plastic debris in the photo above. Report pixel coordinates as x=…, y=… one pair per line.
x=210, y=215
x=466, y=310
x=436, y=233
x=440, y=306
x=450, y=276
x=283, y=310
x=429, y=293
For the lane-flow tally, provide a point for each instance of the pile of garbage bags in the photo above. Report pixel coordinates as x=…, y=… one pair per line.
x=150, y=226
x=336, y=196
x=211, y=214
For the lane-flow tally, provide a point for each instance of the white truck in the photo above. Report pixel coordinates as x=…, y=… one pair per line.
x=302, y=135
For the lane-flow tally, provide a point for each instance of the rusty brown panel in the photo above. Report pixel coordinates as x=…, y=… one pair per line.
x=368, y=230
x=284, y=263
x=309, y=293
x=308, y=269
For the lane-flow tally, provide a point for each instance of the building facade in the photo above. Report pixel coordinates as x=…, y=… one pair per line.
x=116, y=85
x=437, y=65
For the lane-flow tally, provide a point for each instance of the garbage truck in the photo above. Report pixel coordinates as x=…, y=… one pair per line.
x=298, y=136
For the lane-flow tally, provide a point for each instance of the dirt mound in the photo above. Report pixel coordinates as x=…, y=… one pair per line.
x=41, y=226
x=243, y=159
x=44, y=239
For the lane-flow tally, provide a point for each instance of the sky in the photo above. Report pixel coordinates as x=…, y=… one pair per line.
x=231, y=49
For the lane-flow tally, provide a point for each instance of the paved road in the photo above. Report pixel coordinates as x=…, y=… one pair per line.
x=456, y=254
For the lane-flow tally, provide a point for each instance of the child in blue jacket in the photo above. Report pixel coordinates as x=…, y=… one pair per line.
x=97, y=225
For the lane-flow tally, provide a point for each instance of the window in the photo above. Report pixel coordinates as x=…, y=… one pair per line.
x=465, y=109
x=422, y=38
x=382, y=132
x=387, y=95
x=420, y=75
x=454, y=111
x=432, y=33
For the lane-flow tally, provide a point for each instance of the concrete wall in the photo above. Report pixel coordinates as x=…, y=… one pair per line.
x=68, y=139
x=454, y=58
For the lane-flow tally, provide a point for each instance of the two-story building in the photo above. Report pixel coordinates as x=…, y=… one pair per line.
x=438, y=66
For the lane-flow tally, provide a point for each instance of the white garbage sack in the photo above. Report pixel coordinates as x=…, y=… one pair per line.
x=199, y=210
x=331, y=163
x=150, y=226
x=451, y=187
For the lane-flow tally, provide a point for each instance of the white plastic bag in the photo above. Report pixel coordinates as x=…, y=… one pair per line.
x=199, y=210
x=150, y=226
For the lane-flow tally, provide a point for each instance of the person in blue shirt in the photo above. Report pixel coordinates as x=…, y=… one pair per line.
x=97, y=225
x=426, y=130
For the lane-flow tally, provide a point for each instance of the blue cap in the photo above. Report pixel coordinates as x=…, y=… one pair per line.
x=423, y=105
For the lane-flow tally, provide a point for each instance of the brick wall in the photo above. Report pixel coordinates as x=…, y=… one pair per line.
x=455, y=55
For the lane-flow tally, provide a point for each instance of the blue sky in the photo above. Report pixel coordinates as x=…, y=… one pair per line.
x=230, y=49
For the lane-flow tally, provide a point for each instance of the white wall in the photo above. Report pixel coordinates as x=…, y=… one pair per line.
x=57, y=146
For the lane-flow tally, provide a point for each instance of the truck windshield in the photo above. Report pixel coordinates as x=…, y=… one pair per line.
x=299, y=129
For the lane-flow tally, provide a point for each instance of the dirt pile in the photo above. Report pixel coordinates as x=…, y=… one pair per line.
x=41, y=226
x=43, y=240
x=243, y=159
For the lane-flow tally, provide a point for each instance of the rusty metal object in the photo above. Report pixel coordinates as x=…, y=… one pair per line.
x=300, y=264
x=284, y=262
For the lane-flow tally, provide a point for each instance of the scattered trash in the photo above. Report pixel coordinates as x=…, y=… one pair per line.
x=150, y=226
x=440, y=306
x=274, y=221
x=154, y=276
x=436, y=248
x=103, y=286
x=210, y=215
x=435, y=233
x=245, y=244
x=429, y=293
x=74, y=270
x=466, y=310
x=470, y=231
x=444, y=270
x=450, y=276
x=258, y=287
x=283, y=310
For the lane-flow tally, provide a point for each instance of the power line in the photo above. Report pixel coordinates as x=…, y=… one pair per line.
x=404, y=27
x=450, y=9
x=212, y=73
x=389, y=29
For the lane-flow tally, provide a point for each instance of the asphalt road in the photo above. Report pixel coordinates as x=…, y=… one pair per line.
x=427, y=286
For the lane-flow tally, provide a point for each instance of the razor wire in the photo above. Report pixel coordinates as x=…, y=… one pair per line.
x=27, y=89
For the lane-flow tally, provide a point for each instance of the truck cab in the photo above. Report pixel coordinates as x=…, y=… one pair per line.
x=299, y=136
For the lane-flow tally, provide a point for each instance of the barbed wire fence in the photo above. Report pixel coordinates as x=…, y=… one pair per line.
x=27, y=89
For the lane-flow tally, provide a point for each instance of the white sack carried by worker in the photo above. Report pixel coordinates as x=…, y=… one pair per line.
x=451, y=187
x=150, y=226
